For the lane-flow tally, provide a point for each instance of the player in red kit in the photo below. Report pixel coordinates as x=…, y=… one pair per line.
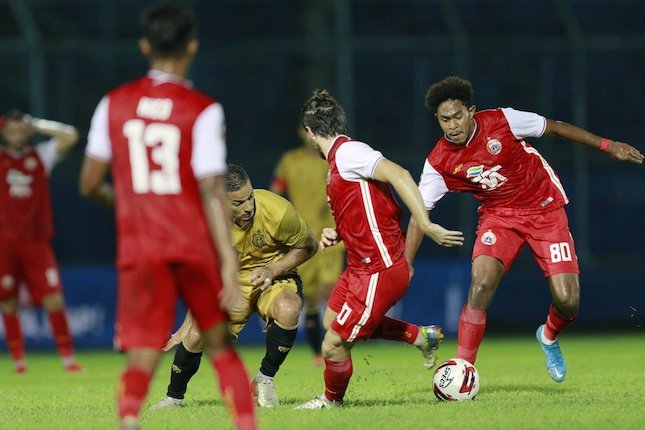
x=26, y=228
x=522, y=202
x=367, y=220
x=165, y=143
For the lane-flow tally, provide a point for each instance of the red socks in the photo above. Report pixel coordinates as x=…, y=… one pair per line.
x=15, y=343
x=60, y=329
x=556, y=323
x=337, y=375
x=392, y=329
x=132, y=390
x=472, y=324
x=235, y=388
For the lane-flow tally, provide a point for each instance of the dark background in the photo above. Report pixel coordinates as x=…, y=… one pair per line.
x=580, y=61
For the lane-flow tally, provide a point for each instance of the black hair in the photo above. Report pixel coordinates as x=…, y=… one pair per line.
x=14, y=114
x=323, y=115
x=169, y=27
x=450, y=88
x=236, y=177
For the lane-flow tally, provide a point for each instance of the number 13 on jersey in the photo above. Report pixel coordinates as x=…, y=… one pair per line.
x=163, y=140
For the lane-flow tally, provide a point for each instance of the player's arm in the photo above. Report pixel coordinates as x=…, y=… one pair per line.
x=406, y=188
x=92, y=182
x=66, y=135
x=413, y=238
x=98, y=154
x=218, y=217
x=617, y=150
x=296, y=236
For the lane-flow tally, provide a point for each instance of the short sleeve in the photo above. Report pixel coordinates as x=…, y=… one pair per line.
x=357, y=160
x=98, y=138
x=293, y=230
x=432, y=186
x=48, y=154
x=209, y=144
x=524, y=124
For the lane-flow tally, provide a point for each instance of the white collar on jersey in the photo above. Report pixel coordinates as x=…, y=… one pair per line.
x=471, y=135
x=162, y=77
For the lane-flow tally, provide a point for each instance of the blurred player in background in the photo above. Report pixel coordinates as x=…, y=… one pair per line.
x=368, y=221
x=301, y=176
x=165, y=142
x=522, y=198
x=26, y=227
x=271, y=240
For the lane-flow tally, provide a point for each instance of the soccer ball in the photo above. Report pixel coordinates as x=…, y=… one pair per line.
x=455, y=380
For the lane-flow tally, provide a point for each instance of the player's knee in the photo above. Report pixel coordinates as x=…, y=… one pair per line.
x=287, y=310
x=194, y=342
x=481, y=289
x=568, y=302
x=333, y=346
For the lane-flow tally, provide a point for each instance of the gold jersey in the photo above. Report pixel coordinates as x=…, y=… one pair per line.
x=275, y=229
x=305, y=176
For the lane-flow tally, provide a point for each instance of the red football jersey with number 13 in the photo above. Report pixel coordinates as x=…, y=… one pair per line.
x=158, y=202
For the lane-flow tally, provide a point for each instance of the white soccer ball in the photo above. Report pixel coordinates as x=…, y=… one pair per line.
x=455, y=380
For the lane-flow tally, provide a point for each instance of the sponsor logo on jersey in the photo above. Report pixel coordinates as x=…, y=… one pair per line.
x=489, y=238
x=474, y=171
x=494, y=146
x=19, y=184
x=30, y=163
x=457, y=169
x=488, y=179
x=258, y=239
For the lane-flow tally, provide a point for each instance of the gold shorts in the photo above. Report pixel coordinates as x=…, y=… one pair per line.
x=255, y=300
x=322, y=269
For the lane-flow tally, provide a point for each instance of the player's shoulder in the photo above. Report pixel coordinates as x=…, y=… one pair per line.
x=489, y=114
x=293, y=154
x=270, y=199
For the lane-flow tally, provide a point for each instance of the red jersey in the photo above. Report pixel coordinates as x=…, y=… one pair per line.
x=496, y=165
x=161, y=136
x=367, y=216
x=25, y=205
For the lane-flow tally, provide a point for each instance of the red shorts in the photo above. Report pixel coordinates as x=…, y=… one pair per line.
x=547, y=234
x=362, y=300
x=31, y=263
x=147, y=297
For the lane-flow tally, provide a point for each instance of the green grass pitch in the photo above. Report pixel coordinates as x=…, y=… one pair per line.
x=390, y=390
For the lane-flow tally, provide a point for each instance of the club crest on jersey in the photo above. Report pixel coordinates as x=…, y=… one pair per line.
x=258, y=239
x=30, y=163
x=494, y=146
x=19, y=184
x=489, y=238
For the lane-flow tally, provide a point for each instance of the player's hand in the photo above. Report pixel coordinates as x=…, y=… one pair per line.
x=176, y=338
x=261, y=277
x=328, y=237
x=623, y=152
x=443, y=237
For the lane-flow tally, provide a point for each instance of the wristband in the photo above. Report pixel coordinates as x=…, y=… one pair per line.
x=605, y=144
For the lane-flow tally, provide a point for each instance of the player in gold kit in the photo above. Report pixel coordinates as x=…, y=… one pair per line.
x=271, y=240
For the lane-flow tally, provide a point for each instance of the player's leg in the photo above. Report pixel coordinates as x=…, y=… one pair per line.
x=312, y=295
x=10, y=279
x=360, y=302
x=486, y=274
x=200, y=285
x=188, y=357
x=554, y=250
x=280, y=304
x=145, y=289
x=44, y=284
x=496, y=247
x=13, y=333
